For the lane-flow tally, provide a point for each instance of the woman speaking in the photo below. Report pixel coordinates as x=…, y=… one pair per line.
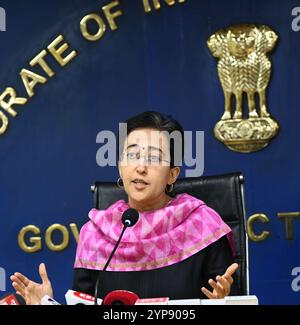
x=179, y=247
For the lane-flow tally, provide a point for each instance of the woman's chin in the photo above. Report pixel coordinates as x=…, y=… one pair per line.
x=139, y=196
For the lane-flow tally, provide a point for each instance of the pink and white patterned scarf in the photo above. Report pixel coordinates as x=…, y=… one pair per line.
x=163, y=237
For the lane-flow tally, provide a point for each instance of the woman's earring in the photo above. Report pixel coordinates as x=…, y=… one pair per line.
x=120, y=183
x=170, y=188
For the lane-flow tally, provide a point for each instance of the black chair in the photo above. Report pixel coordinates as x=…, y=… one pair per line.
x=223, y=193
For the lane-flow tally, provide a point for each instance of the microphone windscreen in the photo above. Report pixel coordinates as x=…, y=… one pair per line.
x=130, y=217
x=120, y=297
x=12, y=299
x=20, y=299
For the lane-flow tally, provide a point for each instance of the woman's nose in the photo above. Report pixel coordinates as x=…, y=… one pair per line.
x=141, y=168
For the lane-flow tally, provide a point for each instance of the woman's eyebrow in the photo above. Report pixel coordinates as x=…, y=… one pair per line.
x=132, y=146
x=155, y=148
x=149, y=147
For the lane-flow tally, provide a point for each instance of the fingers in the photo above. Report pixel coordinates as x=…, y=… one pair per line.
x=228, y=278
x=21, y=278
x=17, y=281
x=20, y=290
x=219, y=290
x=43, y=273
x=231, y=269
x=224, y=283
x=208, y=294
x=18, y=284
x=228, y=274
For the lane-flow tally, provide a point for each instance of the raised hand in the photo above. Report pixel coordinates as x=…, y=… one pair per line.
x=222, y=285
x=31, y=291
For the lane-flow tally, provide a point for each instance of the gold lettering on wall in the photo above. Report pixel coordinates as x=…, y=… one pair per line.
x=96, y=18
x=156, y=4
x=84, y=30
x=9, y=98
x=35, y=241
x=65, y=237
x=75, y=231
x=288, y=219
x=58, y=52
x=4, y=123
x=252, y=235
x=30, y=79
x=39, y=60
x=110, y=16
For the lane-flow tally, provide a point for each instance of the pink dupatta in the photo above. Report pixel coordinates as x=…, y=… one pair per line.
x=160, y=238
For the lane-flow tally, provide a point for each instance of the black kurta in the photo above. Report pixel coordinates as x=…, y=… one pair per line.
x=182, y=280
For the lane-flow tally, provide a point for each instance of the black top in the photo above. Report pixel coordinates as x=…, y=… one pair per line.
x=182, y=280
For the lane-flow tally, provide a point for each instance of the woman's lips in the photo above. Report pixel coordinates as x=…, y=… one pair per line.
x=139, y=184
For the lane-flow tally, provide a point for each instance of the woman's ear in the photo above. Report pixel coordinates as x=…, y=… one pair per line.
x=174, y=173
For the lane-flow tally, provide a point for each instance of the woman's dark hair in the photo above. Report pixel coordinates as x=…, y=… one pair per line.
x=160, y=122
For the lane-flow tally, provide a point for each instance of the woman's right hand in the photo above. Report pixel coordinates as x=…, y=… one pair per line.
x=31, y=291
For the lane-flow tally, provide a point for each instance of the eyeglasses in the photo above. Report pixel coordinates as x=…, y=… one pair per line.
x=133, y=158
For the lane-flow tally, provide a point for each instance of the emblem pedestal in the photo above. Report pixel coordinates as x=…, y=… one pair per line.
x=246, y=135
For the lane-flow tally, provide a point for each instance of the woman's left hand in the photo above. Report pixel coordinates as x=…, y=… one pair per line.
x=222, y=284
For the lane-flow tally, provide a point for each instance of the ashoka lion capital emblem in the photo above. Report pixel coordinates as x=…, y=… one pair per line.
x=244, y=67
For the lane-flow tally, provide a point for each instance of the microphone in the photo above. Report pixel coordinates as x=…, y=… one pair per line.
x=129, y=219
x=49, y=301
x=13, y=299
x=120, y=297
x=79, y=298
